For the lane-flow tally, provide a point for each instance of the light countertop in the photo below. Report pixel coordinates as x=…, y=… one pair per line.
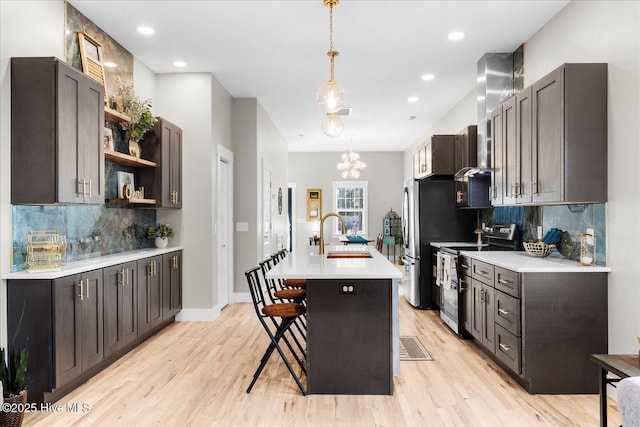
x=455, y=244
x=521, y=262
x=306, y=263
x=91, y=264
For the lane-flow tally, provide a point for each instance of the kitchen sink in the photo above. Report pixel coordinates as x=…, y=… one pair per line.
x=345, y=254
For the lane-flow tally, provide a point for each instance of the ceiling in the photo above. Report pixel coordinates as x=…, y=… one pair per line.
x=275, y=51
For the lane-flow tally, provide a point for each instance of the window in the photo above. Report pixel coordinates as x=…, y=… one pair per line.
x=350, y=202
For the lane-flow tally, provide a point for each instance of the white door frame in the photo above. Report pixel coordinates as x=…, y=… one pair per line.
x=267, y=214
x=226, y=156
x=292, y=203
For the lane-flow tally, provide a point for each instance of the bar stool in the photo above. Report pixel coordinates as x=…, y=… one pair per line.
x=282, y=316
x=292, y=283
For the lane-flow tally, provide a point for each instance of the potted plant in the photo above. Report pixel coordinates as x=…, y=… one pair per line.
x=400, y=241
x=13, y=376
x=161, y=234
x=139, y=111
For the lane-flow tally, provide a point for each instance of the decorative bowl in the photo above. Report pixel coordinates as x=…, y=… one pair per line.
x=538, y=249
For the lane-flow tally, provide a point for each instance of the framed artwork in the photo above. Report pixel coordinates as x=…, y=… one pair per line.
x=91, y=56
x=125, y=184
x=108, y=139
x=314, y=204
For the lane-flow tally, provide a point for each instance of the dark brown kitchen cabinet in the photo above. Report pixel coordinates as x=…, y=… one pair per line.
x=466, y=292
x=78, y=316
x=554, y=137
x=163, y=145
x=465, y=148
x=149, y=293
x=483, y=304
x=120, y=306
x=497, y=158
x=435, y=157
x=57, y=127
x=171, y=284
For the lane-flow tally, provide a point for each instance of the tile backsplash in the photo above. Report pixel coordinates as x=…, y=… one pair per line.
x=91, y=230
x=572, y=219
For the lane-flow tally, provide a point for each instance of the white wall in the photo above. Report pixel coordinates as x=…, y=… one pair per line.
x=34, y=28
x=608, y=31
x=318, y=170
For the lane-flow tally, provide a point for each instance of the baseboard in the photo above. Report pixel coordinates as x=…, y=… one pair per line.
x=198, y=314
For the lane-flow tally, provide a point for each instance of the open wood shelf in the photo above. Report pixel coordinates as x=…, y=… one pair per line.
x=133, y=201
x=127, y=160
x=113, y=116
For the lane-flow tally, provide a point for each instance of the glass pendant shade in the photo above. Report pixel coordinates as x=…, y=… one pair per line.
x=331, y=97
x=332, y=126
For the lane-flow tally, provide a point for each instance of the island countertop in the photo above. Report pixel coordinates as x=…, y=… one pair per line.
x=306, y=263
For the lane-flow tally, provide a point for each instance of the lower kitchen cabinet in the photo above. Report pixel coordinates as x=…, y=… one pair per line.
x=541, y=327
x=149, y=294
x=171, y=284
x=120, y=306
x=77, y=325
x=78, y=318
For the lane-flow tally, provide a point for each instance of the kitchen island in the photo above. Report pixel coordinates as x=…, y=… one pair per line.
x=352, y=318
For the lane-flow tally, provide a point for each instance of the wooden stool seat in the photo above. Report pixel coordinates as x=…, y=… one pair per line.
x=293, y=293
x=295, y=283
x=284, y=310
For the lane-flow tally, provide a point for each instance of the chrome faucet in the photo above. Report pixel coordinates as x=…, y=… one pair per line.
x=344, y=229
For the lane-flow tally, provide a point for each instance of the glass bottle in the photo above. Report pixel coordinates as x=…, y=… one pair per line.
x=587, y=249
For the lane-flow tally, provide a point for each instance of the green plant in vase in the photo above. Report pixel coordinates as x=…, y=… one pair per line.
x=160, y=233
x=139, y=111
x=14, y=379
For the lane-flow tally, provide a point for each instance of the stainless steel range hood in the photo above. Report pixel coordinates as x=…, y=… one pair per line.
x=495, y=85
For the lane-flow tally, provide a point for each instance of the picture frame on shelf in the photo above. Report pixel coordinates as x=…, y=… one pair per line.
x=125, y=179
x=91, y=58
x=108, y=139
x=314, y=204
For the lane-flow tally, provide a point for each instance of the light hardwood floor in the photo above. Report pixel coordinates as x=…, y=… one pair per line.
x=196, y=374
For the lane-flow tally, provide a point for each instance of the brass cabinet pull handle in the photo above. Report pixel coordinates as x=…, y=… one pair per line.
x=89, y=187
x=502, y=311
x=81, y=284
x=483, y=272
x=504, y=282
x=534, y=185
x=121, y=277
x=87, y=288
x=505, y=347
x=482, y=300
x=464, y=266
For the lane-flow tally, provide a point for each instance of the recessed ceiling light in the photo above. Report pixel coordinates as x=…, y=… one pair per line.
x=146, y=30
x=456, y=35
x=428, y=77
x=109, y=64
x=180, y=64
x=413, y=99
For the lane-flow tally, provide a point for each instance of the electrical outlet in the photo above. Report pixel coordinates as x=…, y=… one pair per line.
x=539, y=232
x=347, y=288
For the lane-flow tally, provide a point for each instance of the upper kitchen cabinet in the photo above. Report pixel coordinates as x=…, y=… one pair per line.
x=554, y=139
x=163, y=145
x=465, y=153
x=497, y=158
x=471, y=191
x=57, y=126
x=435, y=158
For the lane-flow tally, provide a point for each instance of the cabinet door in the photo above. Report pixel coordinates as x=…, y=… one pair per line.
x=149, y=293
x=120, y=306
x=68, y=328
x=70, y=148
x=524, y=135
x=547, y=144
x=80, y=153
x=477, y=306
x=466, y=293
x=497, y=158
x=416, y=165
x=171, y=284
x=92, y=327
x=488, y=318
x=510, y=145
x=92, y=131
x=175, y=167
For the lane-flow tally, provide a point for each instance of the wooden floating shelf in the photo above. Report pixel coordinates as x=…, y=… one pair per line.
x=127, y=160
x=113, y=116
x=133, y=201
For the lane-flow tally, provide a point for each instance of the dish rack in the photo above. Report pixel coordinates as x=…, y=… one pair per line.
x=43, y=251
x=538, y=249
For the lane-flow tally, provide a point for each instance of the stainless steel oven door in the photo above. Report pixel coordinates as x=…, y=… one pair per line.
x=449, y=304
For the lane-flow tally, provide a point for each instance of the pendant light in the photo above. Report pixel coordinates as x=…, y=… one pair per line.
x=331, y=96
x=350, y=163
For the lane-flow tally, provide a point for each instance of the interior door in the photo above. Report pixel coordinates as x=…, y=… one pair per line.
x=224, y=227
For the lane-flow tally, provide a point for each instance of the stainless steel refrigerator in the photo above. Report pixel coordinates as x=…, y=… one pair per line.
x=429, y=215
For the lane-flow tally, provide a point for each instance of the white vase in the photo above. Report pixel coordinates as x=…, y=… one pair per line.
x=162, y=242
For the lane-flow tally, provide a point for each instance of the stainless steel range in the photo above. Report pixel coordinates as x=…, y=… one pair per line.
x=499, y=237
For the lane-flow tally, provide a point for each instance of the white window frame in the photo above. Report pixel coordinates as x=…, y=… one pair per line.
x=364, y=227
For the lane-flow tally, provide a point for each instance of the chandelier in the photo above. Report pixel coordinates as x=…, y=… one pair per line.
x=350, y=164
x=331, y=96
